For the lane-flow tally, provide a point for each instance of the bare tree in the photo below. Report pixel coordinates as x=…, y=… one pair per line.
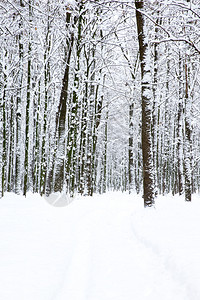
x=146, y=98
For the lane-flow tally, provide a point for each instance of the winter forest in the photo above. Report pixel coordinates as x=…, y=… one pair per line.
x=100, y=95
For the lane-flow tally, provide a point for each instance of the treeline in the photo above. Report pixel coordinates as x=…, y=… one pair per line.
x=71, y=92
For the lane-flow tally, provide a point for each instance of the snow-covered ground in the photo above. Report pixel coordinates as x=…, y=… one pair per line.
x=101, y=248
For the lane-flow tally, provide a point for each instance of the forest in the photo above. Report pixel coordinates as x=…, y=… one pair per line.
x=100, y=95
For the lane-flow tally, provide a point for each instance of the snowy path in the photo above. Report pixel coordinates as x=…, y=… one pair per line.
x=110, y=263
x=89, y=250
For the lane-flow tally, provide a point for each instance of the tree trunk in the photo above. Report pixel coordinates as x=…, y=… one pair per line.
x=61, y=118
x=188, y=137
x=43, y=170
x=188, y=141
x=1, y=130
x=18, y=159
x=130, y=147
x=180, y=129
x=28, y=96
x=146, y=95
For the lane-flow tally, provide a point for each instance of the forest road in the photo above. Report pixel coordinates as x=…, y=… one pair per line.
x=109, y=262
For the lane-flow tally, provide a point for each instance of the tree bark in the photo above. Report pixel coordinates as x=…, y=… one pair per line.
x=188, y=141
x=28, y=97
x=146, y=95
x=61, y=118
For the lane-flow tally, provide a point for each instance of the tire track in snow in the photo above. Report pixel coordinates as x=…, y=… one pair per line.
x=75, y=283
x=127, y=265
x=110, y=262
x=77, y=255
x=168, y=263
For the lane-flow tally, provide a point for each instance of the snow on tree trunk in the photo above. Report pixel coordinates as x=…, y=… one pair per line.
x=1, y=128
x=61, y=118
x=27, y=120
x=146, y=95
x=188, y=140
x=180, y=129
